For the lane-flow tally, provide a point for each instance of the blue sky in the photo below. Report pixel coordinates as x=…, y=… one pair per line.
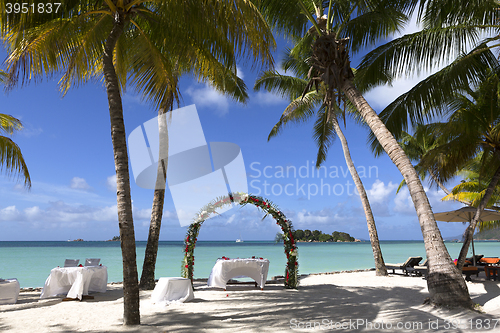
x=66, y=143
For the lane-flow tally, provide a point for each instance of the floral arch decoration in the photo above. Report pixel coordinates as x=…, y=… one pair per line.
x=290, y=247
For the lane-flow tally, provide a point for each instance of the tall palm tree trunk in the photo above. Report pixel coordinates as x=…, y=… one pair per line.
x=131, y=314
x=149, y=265
x=445, y=283
x=148, y=268
x=380, y=268
x=469, y=232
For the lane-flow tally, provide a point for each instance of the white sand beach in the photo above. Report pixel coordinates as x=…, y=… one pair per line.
x=349, y=302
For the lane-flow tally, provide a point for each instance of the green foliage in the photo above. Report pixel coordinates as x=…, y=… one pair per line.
x=11, y=158
x=453, y=34
x=289, y=243
x=493, y=233
x=278, y=238
x=318, y=236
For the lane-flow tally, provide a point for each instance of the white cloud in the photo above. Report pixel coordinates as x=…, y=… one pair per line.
x=111, y=183
x=33, y=213
x=240, y=73
x=231, y=218
x=60, y=213
x=267, y=98
x=380, y=97
x=379, y=192
x=305, y=217
x=9, y=213
x=30, y=131
x=207, y=96
x=403, y=203
x=78, y=183
x=142, y=214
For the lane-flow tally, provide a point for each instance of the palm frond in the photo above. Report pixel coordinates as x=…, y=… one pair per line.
x=283, y=85
x=323, y=133
x=299, y=110
x=12, y=161
x=419, y=52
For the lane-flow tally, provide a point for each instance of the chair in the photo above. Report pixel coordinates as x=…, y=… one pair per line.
x=9, y=291
x=92, y=262
x=407, y=267
x=477, y=257
x=489, y=261
x=71, y=262
x=422, y=269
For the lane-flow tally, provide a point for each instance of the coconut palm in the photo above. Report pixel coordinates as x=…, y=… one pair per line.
x=416, y=146
x=450, y=28
x=115, y=38
x=472, y=187
x=306, y=103
x=473, y=127
x=225, y=81
x=347, y=28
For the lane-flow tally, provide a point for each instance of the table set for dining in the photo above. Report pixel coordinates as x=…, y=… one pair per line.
x=175, y=289
x=75, y=282
x=226, y=269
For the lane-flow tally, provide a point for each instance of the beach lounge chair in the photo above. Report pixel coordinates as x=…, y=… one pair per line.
x=477, y=257
x=71, y=262
x=422, y=269
x=407, y=267
x=92, y=262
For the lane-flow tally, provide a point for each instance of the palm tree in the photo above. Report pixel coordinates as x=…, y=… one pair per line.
x=225, y=81
x=115, y=38
x=416, y=146
x=473, y=127
x=304, y=103
x=472, y=187
x=339, y=34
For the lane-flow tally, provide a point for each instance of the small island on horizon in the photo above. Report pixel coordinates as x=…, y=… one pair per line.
x=318, y=236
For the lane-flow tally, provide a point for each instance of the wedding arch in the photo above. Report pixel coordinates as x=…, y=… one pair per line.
x=290, y=247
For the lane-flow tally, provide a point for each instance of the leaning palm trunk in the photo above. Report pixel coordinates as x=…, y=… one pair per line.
x=131, y=314
x=439, y=183
x=148, y=268
x=330, y=60
x=445, y=283
x=469, y=232
x=380, y=268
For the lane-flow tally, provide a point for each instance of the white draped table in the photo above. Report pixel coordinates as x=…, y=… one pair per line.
x=75, y=281
x=174, y=289
x=226, y=269
x=9, y=291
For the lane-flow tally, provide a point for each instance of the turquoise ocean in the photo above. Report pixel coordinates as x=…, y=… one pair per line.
x=31, y=262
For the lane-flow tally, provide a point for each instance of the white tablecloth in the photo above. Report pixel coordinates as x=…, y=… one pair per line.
x=9, y=291
x=224, y=270
x=75, y=281
x=170, y=290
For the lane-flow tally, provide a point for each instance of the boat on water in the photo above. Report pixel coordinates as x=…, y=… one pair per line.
x=239, y=240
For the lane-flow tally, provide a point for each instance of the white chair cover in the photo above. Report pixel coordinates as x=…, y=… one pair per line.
x=9, y=291
x=92, y=262
x=71, y=262
x=170, y=290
